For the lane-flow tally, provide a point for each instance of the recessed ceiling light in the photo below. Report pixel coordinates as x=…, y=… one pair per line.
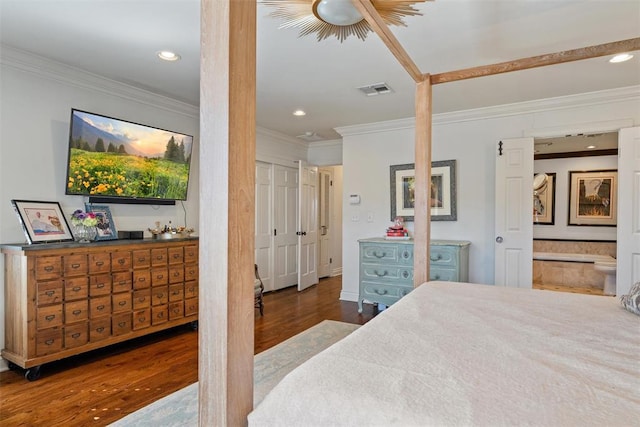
x=167, y=55
x=299, y=113
x=621, y=58
x=590, y=147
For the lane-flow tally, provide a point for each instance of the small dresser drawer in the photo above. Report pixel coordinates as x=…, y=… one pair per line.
x=76, y=335
x=387, y=254
x=160, y=295
x=443, y=256
x=141, y=299
x=76, y=311
x=190, y=272
x=48, y=342
x=121, y=282
x=48, y=267
x=76, y=288
x=99, y=329
x=141, y=319
x=158, y=257
x=142, y=258
x=379, y=289
x=49, y=316
x=159, y=314
x=176, y=274
x=190, y=306
x=49, y=292
x=176, y=255
x=190, y=254
x=391, y=273
x=176, y=310
x=100, y=262
x=100, y=285
x=121, y=302
x=191, y=290
x=444, y=274
x=120, y=261
x=159, y=276
x=176, y=292
x=100, y=306
x=141, y=279
x=75, y=265
x=121, y=324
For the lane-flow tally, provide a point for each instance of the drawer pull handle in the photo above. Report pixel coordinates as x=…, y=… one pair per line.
x=75, y=265
x=375, y=254
x=122, y=303
x=161, y=315
x=76, y=312
x=49, y=342
x=50, y=293
x=141, y=259
x=176, y=256
x=176, y=310
x=405, y=254
x=436, y=277
x=176, y=274
x=100, y=285
x=159, y=276
x=159, y=257
x=123, y=282
x=76, y=288
x=381, y=292
x=50, y=317
x=76, y=335
x=141, y=319
x=121, y=261
x=438, y=258
x=381, y=275
x=160, y=295
x=405, y=274
x=100, y=329
x=100, y=307
x=141, y=279
x=100, y=263
x=142, y=299
x=48, y=268
x=122, y=324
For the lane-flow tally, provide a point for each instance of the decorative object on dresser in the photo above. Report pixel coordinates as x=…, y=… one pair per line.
x=443, y=191
x=106, y=228
x=386, y=267
x=66, y=299
x=42, y=221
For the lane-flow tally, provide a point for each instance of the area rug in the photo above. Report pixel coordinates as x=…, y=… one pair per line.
x=270, y=366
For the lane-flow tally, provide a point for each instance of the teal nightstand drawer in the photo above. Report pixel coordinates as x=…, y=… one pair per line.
x=376, y=291
x=393, y=273
x=444, y=256
x=444, y=274
x=387, y=254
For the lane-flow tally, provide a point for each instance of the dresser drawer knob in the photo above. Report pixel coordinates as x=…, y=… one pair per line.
x=405, y=274
x=48, y=268
x=49, y=342
x=375, y=254
x=436, y=277
x=100, y=307
x=122, y=303
x=75, y=265
x=100, y=263
x=76, y=335
x=122, y=324
x=381, y=274
x=76, y=312
x=76, y=288
x=141, y=259
x=121, y=261
x=438, y=258
x=381, y=291
x=100, y=329
x=406, y=254
x=100, y=285
x=50, y=317
x=50, y=293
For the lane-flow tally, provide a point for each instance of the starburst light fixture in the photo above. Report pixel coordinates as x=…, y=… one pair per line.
x=339, y=18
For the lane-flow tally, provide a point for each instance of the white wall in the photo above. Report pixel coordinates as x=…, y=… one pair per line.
x=562, y=167
x=471, y=138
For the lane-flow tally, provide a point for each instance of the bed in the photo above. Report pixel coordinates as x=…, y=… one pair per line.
x=468, y=354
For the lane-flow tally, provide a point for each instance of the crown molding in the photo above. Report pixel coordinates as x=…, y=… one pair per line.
x=282, y=138
x=326, y=144
x=629, y=93
x=75, y=77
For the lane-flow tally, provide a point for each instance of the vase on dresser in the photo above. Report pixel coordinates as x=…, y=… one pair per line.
x=84, y=233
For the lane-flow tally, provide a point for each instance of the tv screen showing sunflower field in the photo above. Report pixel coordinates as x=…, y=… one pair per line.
x=115, y=158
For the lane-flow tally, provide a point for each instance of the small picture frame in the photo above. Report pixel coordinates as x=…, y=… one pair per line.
x=593, y=198
x=42, y=222
x=106, y=227
x=544, y=197
x=443, y=191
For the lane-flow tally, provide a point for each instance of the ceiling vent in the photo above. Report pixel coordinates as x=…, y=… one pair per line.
x=310, y=137
x=375, y=89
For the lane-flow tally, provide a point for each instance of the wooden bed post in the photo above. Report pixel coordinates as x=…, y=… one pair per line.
x=422, y=208
x=227, y=198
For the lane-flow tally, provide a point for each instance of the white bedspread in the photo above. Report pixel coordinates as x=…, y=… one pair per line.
x=467, y=354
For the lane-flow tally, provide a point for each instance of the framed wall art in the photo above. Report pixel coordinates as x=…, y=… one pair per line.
x=593, y=198
x=106, y=228
x=544, y=197
x=42, y=221
x=443, y=191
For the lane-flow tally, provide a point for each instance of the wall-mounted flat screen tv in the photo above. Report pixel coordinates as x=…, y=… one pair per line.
x=117, y=161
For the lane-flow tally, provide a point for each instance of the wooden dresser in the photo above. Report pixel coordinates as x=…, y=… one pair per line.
x=386, y=267
x=62, y=299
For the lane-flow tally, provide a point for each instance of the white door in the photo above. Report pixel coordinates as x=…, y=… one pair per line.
x=325, y=229
x=514, y=213
x=307, y=226
x=285, y=217
x=628, y=269
x=264, y=224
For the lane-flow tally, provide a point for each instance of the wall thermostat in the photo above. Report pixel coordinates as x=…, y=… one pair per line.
x=354, y=199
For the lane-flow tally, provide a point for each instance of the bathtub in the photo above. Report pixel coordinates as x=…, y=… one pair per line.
x=569, y=257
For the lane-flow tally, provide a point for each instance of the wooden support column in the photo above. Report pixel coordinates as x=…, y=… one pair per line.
x=422, y=209
x=227, y=187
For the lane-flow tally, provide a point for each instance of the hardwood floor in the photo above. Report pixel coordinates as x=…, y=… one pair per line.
x=100, y=387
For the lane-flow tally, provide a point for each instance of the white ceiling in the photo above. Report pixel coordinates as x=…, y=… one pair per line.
x=118, y=39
